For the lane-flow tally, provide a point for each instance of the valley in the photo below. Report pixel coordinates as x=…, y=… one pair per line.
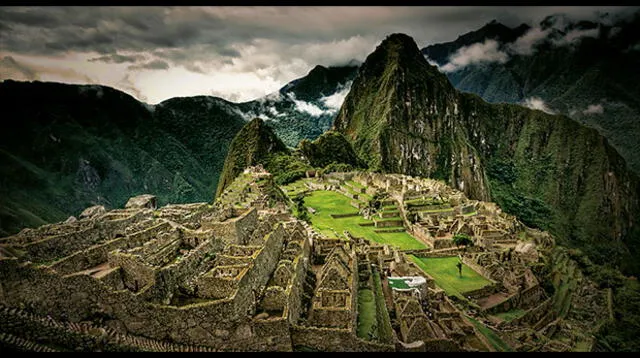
x=477, y=195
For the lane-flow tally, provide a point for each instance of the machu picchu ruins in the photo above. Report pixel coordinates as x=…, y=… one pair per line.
x=246, y=274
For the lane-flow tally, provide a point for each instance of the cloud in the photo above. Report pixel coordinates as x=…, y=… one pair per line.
x=274, y=112
x=205, y=48
x=302, y=106
x=485, y=52
x=573, y=36
x=116, y=58
x=128, y=85
x=334, y=102
x=17, y=69
x=524, y=45
x=152, y=65
x=594, y=109
x=10, y=68
x=537, y=103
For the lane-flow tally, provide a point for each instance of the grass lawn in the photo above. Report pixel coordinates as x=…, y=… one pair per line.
x=295, y=188
x=445, y=273
x=366, y=313
x=397, y=283
x=355, y=184
x=511, y=315
x=329, y=202
x=492, y=337
x=385, y=332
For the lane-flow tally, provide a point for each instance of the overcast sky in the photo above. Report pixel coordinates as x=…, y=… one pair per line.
x=237, y=53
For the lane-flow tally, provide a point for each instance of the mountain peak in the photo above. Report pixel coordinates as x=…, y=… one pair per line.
x=396, y=51
x=399, y=44
x=318, y=69
x=398, y=38
x=251, y=145
x=394, y=82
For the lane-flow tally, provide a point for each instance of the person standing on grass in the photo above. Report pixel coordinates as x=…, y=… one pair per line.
x=459, y=266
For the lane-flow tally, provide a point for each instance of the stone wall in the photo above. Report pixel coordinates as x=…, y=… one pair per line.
x=483, y=291
x=532, y=316
x=221, y=281
x=169, y=277
x=332, y=340
x=388, y=223
x=98, y=254
x=136, y=273
x=235, y=230
x=269, y=335
x=217, y=323
x=523, y=299
x=59, y=246
x=338, y=216
x=295, y=290
x=69, y=336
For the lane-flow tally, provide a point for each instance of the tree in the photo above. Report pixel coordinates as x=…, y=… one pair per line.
x=301, y=209
x=462, y=240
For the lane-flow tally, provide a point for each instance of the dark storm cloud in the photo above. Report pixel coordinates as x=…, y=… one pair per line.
x=116, y=58
x=265, y=47
x=216, y=32
x=107, y=30
x=153, y=65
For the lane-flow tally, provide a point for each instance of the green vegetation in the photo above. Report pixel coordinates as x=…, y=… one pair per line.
x=254, y=144
x=66, y=147
x=397, y=283
x=366, y=314
x=295, y=188
x=462, y=240
x=550, y=171
x=328, y=202
x=566, y=78
x=445, y=273
x=496, y=342
x=385, y=332
x=337, y=167
x=301, y=211
x=621, y=334
x=331, y=147
x=511, y=315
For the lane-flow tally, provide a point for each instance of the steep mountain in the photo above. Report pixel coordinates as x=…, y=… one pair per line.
x=254, y=144
x=586, y=70
x=404, y=116
x=330, y=147
x=493, y=30
x=304, y=108
x=66, y=147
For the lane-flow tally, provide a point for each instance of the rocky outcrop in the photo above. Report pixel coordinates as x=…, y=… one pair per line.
x=147, y=201
x=92, y=211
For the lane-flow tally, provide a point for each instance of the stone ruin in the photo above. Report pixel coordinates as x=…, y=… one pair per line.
x=242, y=274
x=505, y=252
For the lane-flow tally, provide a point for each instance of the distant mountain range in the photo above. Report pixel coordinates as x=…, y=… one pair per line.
x=65, y=147
x=587, y=70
